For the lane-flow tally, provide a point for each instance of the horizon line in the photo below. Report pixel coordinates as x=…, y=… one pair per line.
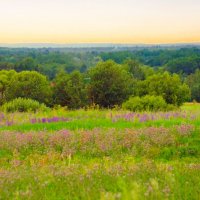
x=49, y=44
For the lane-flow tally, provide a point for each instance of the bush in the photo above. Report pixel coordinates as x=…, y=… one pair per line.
x=23, y=105
x=147, y=103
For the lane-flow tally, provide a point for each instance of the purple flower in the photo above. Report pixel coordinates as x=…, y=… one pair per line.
x=44, y=120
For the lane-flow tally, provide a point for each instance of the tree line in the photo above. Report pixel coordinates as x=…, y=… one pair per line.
x=49, y=61
x=107, y=84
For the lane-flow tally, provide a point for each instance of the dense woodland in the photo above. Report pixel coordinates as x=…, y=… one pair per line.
x=75, y=79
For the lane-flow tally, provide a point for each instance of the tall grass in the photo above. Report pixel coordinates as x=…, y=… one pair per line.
x=100, y=154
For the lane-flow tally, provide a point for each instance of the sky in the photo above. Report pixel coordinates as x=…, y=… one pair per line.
x=100, y=21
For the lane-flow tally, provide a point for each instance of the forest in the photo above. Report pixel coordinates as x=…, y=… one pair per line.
x=136, y=79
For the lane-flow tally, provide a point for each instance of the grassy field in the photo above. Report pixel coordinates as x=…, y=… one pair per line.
x=100, y=154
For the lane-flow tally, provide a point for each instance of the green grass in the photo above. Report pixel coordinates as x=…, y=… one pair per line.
x=98, y=158
x=191, y=107
x=89, y=124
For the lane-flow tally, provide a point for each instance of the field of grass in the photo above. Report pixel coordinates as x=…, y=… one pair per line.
x=100, y=154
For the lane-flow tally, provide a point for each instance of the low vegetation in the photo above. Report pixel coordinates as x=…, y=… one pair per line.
x=23, y=105
x=100, y=154
x=146, y=103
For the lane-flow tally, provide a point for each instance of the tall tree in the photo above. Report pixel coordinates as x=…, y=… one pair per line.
x=194, y=83
x=69, y=90
x=110, y=84
x=31, y=85
x=135, y=69
x=5, y=77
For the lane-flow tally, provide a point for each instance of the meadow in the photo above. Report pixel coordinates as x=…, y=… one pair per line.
x=100, y=154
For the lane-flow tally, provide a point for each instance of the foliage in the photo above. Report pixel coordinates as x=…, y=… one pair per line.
x=148, y=71
x=5, y=77
x=142, y=63
x=175, y=59
x=29, y=85
x=47, y=61
x=194, y=83
x=118, y=57
x=186, y=65
x=69, y=90
x=23, y=105
x=168, y=86
x=134, y=68
x=26, y=64
x=110, y=84
x=145, y=103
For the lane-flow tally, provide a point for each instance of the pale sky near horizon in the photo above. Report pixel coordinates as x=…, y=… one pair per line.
x=99, y=21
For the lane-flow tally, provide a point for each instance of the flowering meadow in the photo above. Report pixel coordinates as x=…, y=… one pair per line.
x=100, y=154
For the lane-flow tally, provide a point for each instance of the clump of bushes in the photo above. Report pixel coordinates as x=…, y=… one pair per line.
x=147, y=103
x=23, y=105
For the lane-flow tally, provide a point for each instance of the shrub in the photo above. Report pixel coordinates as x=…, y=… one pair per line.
x=147, y=103
x=23, y=105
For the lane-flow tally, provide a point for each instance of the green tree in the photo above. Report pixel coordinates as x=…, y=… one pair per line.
x=168, y=86
x=32, y=85
x=5, y=77
x=69, y=90
x=186, y=65
x=194, y=83
x=109, y=84
x=27, y=63
x=148, y=71
x=134, y=68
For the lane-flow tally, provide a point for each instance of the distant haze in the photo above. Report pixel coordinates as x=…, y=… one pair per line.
x=100, y=21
